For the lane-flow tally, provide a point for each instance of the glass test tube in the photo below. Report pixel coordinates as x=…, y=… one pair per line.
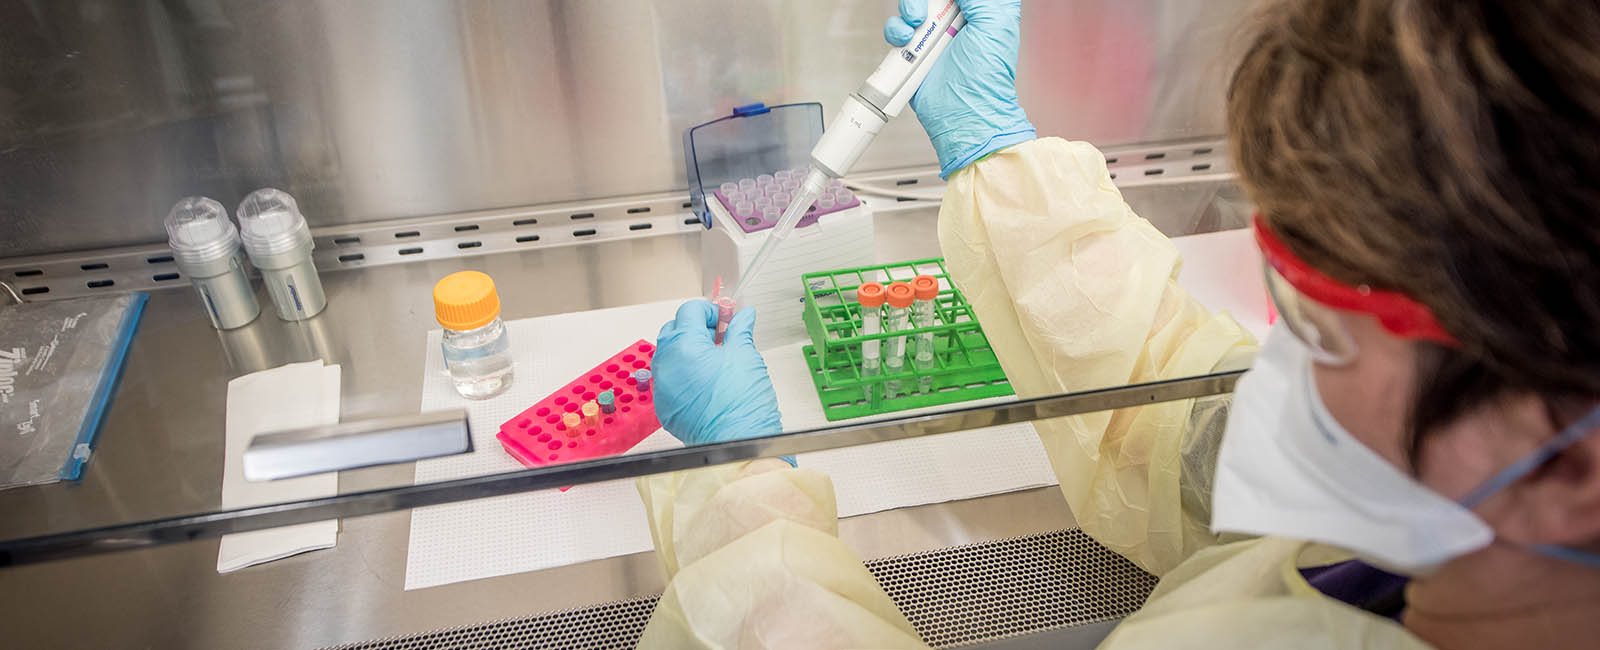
x=898, y=317
x=926, y=290
x=870, y=296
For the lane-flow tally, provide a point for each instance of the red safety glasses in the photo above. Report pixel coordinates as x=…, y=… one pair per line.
x=1309, y=301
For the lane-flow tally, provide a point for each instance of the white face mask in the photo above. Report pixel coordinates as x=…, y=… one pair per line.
x=1288, y=468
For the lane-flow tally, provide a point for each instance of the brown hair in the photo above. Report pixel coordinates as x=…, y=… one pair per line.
x=1449, y=150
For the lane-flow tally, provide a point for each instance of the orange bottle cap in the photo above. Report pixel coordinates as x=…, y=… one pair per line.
x=870, y=294
x=925, y=286
x=901, y=295
x=465, y=300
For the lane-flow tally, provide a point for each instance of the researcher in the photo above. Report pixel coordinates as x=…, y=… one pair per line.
x=1410, y=461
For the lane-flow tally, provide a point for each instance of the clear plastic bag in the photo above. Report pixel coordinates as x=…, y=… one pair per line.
x=59, y=365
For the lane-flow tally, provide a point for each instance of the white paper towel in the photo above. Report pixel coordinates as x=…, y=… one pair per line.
x=531, y=531
x=294, y=396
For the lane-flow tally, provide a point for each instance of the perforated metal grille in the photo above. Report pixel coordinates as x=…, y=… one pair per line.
x=953, y=596
x=612, y=626
x=1009, y=587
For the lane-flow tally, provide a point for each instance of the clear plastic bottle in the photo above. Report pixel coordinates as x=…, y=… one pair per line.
x=477, y=348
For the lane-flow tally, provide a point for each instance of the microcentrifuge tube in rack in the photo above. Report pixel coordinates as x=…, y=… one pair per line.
x=591, y=414
x=900, y=296
x=607, y=401
x=925, y=289
x=870, y=297
x=641, y=377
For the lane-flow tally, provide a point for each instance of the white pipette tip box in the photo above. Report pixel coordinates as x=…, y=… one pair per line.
x=836, y=238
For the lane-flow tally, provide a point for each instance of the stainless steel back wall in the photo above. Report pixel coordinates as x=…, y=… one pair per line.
x=377, y=109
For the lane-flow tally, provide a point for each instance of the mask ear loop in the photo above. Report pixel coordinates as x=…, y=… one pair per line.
x=1538, y=457
x=1526, y=465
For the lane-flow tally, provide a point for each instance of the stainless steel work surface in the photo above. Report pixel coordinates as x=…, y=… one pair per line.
x=162, y=446
x=161, y=451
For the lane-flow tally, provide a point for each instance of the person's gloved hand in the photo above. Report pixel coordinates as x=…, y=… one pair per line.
x=968, y=103
x=707, y=392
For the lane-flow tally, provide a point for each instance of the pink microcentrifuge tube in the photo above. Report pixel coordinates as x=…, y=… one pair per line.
x=781, y=198
x=725, y=307
x=763, y=179
x=744, y=209
x=771, y=214
x=825, y=203
x=729, y=188
x=747, y=184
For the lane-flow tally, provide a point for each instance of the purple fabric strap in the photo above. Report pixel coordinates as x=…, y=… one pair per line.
x=1361, y=585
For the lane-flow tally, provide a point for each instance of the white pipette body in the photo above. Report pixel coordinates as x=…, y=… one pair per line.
x=864, y=112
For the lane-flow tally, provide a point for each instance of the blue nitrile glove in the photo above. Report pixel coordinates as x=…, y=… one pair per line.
x=707, y=392
x=968, y=104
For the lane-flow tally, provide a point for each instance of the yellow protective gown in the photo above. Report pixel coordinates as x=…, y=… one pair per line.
x=1075, y=292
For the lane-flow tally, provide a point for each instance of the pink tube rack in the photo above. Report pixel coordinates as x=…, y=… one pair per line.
x=753, y=220
x=536, y=437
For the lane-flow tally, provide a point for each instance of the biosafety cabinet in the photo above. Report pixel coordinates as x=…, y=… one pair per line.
x=580, y=157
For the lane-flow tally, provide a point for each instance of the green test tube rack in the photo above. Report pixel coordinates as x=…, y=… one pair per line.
x=965, y=367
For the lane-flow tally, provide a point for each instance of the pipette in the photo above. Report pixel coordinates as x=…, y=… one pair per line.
x=864, y=112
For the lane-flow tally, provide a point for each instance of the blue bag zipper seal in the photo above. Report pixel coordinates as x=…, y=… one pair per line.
x=110, y=377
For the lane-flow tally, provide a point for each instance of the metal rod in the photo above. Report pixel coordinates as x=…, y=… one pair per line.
x=131, y=536
x=357, y=444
